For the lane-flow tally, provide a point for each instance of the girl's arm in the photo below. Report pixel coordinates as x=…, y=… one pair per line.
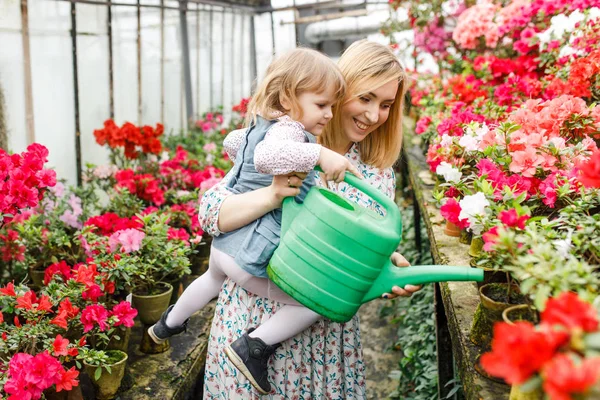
x=241, y=209
x=284, y=150
x=233, y=141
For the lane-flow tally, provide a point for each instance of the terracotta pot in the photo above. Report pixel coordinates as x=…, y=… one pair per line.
x=490, y=311
x=108, y=384
x=151, y=307
x=517, y=394
x=452, y=229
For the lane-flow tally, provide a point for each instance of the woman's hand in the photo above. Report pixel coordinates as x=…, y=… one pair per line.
x=399, y=261
x=285, y=186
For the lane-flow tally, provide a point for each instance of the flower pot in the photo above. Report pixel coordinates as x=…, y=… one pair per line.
x=465, y=236
x=151, y=306
x=520, y=312
x=74, y=394
x=517, y=394
x=490, y=310
x=452, y=229
x=122, y=343
x=37, y=276
x=476, y=246
x=199, y=261
x=177, y=289
x=108, y=384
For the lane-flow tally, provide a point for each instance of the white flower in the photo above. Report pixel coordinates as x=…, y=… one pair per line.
x=446, y=140
x=449, y=173
x=473, y=208
x=563, y=246
x=481, y=131
x=470, y=143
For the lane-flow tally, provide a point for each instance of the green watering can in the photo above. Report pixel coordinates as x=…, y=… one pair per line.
x=334, y=256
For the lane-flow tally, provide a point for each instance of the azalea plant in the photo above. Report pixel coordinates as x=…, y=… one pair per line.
x=141, y=251
x=129, y=142
x=561, y=355
x=23, y=180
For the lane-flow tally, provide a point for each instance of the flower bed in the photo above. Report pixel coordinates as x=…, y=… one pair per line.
x=510, y=127
x=80, y=251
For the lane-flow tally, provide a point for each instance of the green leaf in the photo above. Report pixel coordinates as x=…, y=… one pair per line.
x=98, y=373
x=109, y=369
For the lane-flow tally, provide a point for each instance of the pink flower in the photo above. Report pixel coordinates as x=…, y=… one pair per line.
x=92, y=293
x=451, y=210
x=94, y=314
x=124, y=313
x=526, y=162
x=209, y=146
x=129, y=240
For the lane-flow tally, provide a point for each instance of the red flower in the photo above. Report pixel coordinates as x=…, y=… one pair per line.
x=9, y=290
x=92, y=293
x=519, y=350
x=95, y=313
x=44, y=304
x=124, y=313
x=68, y=379
x=451, y=211
x=563, y=377
x=66, y=307
x=511, y=219
x=570, y=311
x=27, y=301
x=588, y=173
x=490, y=238
x=61, y=269
x=59, y=346
x=60, y=320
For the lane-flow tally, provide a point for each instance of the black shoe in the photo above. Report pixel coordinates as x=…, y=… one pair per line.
x=160, y=332
x=250, y=356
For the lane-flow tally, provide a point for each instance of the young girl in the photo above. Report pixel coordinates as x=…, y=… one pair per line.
x=299, y=89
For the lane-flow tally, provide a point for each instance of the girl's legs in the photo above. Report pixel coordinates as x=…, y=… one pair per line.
x=286, y=323
x=207, y=287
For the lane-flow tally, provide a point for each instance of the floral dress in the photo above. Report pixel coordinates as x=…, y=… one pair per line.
x=323, y=362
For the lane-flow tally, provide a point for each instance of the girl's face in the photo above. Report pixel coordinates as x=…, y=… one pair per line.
x=362, y=115
x=316, y=110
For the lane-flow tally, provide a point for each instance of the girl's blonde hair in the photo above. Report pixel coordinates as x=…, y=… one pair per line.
x=366, y=66
x=298, y=71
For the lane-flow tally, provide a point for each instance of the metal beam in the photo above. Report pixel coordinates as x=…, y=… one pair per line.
x=139, y=60
x=29, y=120
x=76, y=92
x=111, y=81
x=187, y=71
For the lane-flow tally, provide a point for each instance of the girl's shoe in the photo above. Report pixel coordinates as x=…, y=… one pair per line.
x=251, y=356
x=160, y=332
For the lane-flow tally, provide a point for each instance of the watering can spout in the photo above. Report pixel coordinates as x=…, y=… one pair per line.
x=419, y=275
x=290, y=210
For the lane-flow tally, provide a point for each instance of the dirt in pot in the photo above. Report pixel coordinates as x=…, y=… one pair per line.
x=499, y=293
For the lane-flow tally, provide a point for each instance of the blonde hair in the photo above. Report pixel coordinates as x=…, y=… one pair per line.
x=367, y=65
x=287, y=77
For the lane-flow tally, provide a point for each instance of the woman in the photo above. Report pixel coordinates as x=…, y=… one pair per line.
x=325, y=361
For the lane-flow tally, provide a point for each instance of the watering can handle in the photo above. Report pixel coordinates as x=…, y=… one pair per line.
x=391, y=209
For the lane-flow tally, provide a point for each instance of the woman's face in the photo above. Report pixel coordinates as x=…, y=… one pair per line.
x=362, y=115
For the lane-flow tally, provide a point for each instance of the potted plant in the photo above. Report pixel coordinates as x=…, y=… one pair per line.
x=106, y=370
x=557, y=357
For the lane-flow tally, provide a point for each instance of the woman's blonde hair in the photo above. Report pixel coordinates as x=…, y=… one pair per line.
x=366, y=66
x=287, y=77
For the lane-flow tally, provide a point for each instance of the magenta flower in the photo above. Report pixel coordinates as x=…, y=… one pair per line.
x=124, y=313
x=94, y=314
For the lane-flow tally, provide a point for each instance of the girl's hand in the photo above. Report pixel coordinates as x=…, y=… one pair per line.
x=285, y=186
x=399, y=261
x=335, y=165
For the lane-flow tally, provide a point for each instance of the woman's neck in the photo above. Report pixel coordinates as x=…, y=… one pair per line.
x=342, y=147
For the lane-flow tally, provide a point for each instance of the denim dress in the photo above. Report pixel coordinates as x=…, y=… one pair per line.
x=253, y=245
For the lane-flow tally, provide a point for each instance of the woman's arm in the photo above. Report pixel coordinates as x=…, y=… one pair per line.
x=241, y=209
